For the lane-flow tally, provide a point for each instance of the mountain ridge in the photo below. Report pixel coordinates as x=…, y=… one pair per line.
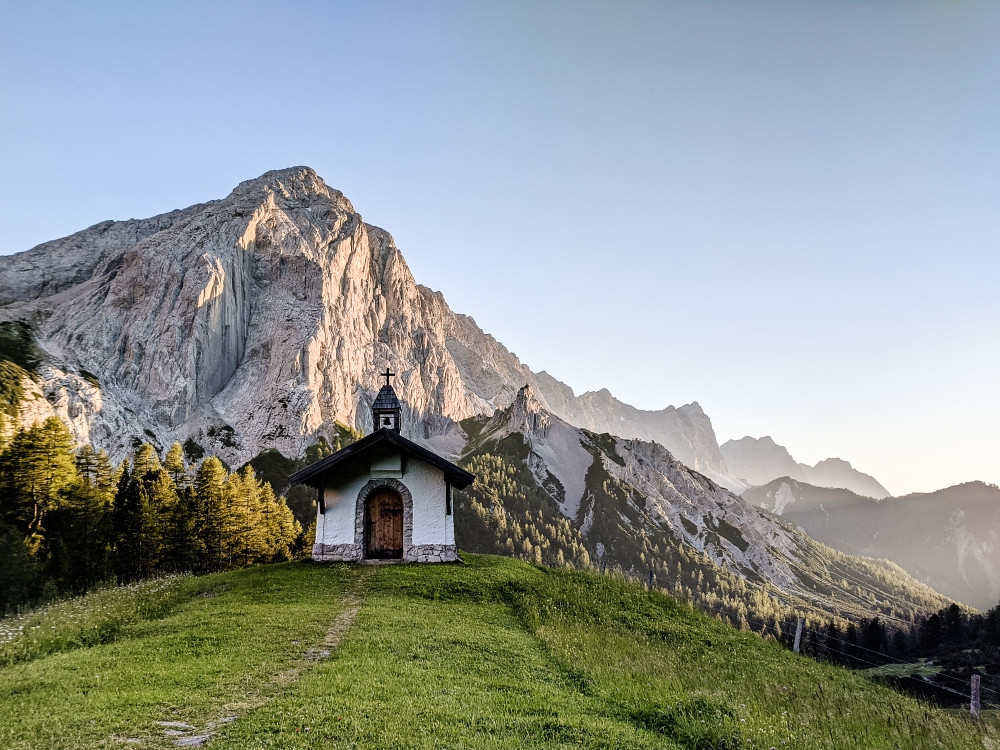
x=261, y=321
x=758, y=461
x=632, y=505
x=947, y=538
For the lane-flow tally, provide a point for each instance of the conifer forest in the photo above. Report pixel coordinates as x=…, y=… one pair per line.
x=71, y=519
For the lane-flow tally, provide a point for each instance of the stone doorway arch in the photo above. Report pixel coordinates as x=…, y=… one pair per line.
x=384, y=520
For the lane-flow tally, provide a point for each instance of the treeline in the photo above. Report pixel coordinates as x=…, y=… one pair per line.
x=70, y=519
x=933, y=658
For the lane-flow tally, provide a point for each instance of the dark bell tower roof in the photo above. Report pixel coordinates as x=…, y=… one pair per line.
x=386, y=412
x=386, y=399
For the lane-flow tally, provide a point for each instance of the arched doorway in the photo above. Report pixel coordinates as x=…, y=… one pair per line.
x=384, y=524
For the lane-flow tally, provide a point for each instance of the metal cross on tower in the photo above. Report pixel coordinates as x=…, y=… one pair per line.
x=388, y=375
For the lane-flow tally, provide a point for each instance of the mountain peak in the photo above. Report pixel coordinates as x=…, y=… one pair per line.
x=761, y=460
x=834, y=462
x=291, y=184
x=525, y=415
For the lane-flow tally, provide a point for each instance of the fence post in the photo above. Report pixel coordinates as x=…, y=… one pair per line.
x=798, y=636
x=975, y=696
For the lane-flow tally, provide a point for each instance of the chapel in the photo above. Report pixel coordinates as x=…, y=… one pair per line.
x=385, y=497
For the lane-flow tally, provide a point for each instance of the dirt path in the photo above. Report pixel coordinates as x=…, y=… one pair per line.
x=184, y=734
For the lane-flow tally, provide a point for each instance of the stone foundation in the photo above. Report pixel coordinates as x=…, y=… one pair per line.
x=431, y=553
x=418, y=553
x=337, y=552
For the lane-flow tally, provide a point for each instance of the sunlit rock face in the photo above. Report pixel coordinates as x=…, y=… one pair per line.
x=260, y=320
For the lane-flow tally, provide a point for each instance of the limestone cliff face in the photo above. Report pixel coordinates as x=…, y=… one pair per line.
x=259, y=320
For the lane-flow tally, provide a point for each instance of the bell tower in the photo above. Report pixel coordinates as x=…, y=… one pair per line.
x=386, y=411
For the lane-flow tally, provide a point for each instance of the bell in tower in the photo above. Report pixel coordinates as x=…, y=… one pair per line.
x=386, y=411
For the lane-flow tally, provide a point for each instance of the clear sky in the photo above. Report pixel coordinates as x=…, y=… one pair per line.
x=786, y=211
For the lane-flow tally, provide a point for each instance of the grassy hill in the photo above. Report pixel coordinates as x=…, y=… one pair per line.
x=493, y=654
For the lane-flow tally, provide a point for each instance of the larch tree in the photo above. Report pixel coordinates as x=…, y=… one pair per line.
x=211, y=509
x=174, y=465
x=35, y=468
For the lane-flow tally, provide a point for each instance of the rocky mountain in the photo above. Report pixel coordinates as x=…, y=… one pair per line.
x=561, y=493
x=757, y=461
x=949, y=539
x=260, y=321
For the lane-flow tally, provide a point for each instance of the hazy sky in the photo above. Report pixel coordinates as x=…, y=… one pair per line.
x=786, y=211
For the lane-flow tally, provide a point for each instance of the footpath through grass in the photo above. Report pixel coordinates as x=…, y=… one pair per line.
x=224, y=643
x=493, y=654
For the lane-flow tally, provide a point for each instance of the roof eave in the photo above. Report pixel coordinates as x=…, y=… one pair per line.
x=314, y=474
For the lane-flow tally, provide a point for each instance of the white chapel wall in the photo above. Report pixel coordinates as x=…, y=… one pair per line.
x=337, y=523
x=426, y=484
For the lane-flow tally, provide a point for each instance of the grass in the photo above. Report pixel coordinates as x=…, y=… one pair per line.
x=206, y=656
x=493, y=654
x=89, y=620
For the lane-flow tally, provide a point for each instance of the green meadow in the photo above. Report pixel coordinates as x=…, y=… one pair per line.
x=495, y=653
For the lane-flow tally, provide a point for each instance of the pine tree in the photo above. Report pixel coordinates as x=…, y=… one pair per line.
x=81, y=530
x=181, y=547
x=107, y=475
x=87, y=463
x=163, y=501
x=131, y=509
x=34, y=469
x=285, y=530
x=20, y=573
x=145, y=461
x=210, y=513
x=175, y=466
x=309, y=539
x=244, y=532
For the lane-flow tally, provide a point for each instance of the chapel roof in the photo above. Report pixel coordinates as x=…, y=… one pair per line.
x=315, y=474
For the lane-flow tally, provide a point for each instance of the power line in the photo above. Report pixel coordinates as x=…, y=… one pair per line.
x=854, y=596
x=893, y=659
x=765, y=626
x=865, y=585
x=911, y=677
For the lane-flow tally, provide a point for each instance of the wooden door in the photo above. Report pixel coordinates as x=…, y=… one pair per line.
x=385, y=525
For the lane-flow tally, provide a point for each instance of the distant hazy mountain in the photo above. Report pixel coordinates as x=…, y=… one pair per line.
x=686, y=431
x=950, y=539
x=757, y=461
